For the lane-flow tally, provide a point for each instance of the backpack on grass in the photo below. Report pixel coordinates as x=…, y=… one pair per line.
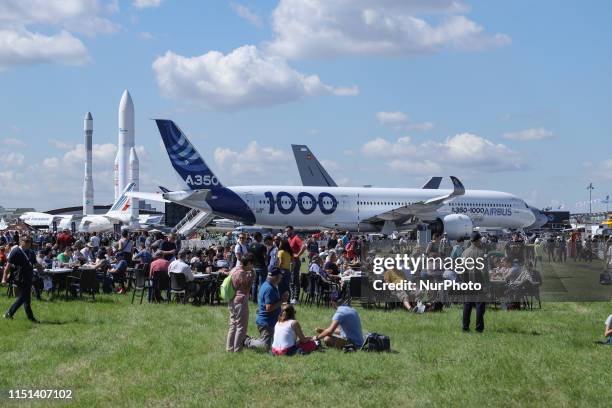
x=376, y=342
x=227, y=290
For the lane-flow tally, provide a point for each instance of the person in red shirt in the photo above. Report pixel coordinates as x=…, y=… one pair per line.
x=158, y=266
x=64, y=239
x=297, y=249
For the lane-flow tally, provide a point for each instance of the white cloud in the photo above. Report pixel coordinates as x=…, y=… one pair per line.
x=321, y=28
x=383, y=148
x=254, y=160
x=529, y=134
x=601, y=170
x=419, y=127
x=85, y=16
x=401, y=121
x=12, y=159
x=146, y=3
x=102, y=153
x=392, y=118
x=50, y=182
x=145, y=35
x=424, y=167
x=244, y=12
x=51, y=163
x=55, y=21
x=330, y=165
x=465, y=151
x=246, y=77
x=22, y=47
x=60, y=144
x=13, y=142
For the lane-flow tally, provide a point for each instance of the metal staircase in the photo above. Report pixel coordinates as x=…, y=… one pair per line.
x=192, y=220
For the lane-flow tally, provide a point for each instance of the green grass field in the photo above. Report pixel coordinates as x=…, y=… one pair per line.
x=112, y=353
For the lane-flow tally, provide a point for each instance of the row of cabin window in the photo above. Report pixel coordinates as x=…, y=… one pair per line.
x=395, y=203
x=289, y=202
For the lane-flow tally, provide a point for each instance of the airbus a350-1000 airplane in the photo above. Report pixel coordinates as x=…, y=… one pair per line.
x=119, y=213
x=366, y=209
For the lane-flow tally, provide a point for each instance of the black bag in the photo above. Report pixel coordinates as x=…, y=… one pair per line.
x=605, y=278
x=107, y=284
x=16, y=274
x=376, y=342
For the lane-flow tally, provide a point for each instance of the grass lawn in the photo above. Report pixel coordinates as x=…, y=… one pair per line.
x=112, y=353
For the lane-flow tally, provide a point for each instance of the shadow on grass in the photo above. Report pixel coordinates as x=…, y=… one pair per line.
x=57, y=322
x=513, y=330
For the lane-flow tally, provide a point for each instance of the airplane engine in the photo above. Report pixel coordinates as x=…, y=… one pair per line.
x=457, y=226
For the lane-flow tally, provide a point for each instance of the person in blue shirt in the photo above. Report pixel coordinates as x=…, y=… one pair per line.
x=143, y=255
x=269, y=303
x=344, y=329
x=118, y=272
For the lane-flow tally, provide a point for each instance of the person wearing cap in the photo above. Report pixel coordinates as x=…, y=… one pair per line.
x=88, y=253
x=269, y=302
x=476, y=275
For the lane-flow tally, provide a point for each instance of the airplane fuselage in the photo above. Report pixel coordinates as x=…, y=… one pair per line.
x=348, y=207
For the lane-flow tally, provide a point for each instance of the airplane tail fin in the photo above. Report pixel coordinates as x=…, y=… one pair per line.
x=185, y=158
x=433, y=183
x=311, y=171
x=122, y=205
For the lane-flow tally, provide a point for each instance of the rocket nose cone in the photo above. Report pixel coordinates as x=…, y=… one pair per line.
x=133, y=155
x=88, y=116
x=126, y=101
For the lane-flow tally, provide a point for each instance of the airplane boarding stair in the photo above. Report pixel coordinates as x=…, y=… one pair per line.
x=192, y=220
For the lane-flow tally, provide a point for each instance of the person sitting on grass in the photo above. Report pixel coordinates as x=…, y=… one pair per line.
x=118, y=272
x=288, y=336
x=608, y=330
x=345, y=329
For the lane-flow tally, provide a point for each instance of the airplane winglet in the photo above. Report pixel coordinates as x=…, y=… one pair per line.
x=458, y=188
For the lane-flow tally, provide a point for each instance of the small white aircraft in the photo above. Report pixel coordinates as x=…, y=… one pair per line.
x=119, y=213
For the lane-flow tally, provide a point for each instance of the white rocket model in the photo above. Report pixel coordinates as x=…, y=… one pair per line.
x=134, y=178
x=126, y=142
x=126, y=162
x=88, y=190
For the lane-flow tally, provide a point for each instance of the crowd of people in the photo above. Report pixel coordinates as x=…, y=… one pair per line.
x=267, y=271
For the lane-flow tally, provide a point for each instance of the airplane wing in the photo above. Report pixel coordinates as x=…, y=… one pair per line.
x=147, y=196
x=406, y=212
x=432, y=184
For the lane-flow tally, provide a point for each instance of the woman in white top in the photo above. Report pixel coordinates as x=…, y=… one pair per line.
x=288, y=336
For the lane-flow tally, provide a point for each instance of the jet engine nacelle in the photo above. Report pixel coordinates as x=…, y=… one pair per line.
x=455, y=226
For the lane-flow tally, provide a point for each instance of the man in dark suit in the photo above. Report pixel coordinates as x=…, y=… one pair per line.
x=22, y=259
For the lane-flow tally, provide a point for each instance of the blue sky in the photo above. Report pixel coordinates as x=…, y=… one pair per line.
x=506, y=95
